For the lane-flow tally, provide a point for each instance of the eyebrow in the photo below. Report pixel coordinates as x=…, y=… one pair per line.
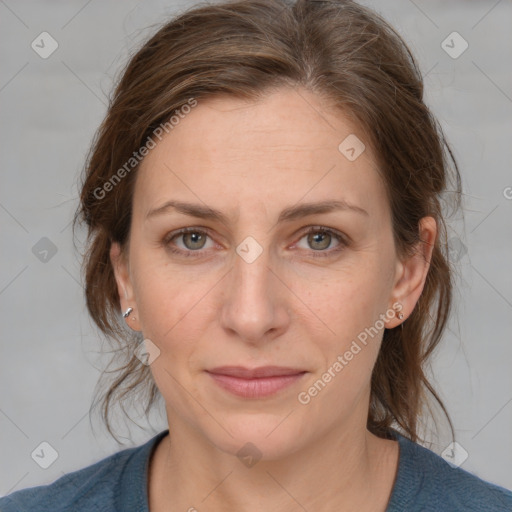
x=287, y=215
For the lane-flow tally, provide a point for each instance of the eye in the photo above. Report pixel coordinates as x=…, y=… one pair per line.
x=193, y=242
x=188, y=241
x=323, y=241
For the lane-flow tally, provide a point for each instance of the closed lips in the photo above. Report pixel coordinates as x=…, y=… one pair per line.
x=255, y=373
x=255, y=383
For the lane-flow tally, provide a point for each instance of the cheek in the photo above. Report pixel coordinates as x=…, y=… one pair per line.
x=346, y=301
x=349, y=305
x=176, y=311
x=347, y=356
x=168, y=297
x=175, y=317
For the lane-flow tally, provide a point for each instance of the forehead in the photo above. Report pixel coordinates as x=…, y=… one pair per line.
x=229, y=152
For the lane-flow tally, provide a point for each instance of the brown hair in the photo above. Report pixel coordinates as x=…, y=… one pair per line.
x=336, y=49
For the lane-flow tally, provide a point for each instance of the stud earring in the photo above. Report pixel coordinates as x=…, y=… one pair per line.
x=126, y=314
x=398, y=313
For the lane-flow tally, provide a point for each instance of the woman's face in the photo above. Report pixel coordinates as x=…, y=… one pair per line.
x=253, y=289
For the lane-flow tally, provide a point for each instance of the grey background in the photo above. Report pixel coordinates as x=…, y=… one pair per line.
x=50, y=108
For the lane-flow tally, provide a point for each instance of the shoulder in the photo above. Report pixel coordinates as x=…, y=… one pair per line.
x=90, y=488
x=100, y=487
x=425, y=481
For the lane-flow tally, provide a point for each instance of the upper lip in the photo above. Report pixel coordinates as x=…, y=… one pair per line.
x=255, y=373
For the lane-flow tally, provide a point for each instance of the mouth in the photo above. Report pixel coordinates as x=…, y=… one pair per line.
x=256, y=382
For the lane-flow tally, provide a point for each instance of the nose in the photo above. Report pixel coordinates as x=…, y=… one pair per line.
x=254, y=303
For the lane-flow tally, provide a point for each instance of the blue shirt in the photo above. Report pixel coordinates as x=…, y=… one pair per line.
x=118, y=483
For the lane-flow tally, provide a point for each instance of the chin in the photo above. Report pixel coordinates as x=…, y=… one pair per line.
x=262, y=436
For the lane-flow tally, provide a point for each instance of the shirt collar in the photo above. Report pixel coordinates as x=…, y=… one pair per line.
x=133, y=481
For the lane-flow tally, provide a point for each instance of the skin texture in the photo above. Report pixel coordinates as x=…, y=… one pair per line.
x=251, y=160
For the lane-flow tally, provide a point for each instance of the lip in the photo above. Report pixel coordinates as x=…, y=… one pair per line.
x=255, y=382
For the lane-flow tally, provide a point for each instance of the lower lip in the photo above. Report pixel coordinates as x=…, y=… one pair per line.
x=255, y=388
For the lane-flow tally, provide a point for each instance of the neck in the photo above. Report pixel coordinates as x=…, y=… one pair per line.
x=346, y=471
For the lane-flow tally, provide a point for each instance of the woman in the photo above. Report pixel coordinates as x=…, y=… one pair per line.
x=263, y=202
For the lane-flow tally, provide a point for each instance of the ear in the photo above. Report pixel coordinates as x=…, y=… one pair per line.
x=124, y=285
x=412, y=272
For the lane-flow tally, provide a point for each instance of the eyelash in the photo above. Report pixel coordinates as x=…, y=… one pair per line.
x=313, y=229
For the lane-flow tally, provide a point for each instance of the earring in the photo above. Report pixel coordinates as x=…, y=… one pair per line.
x=126, y=314
x=399, y=314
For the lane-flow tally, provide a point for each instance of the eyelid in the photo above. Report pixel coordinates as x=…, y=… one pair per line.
x=166, y=242
x=189, y=229
x=343, y=240
x=318, y=227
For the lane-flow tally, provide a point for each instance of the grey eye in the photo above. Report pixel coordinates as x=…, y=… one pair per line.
x=319, y=240
x=194, y=240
